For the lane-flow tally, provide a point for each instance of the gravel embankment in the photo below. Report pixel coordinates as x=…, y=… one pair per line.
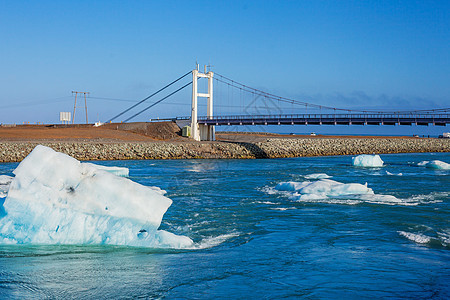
x=271, y=148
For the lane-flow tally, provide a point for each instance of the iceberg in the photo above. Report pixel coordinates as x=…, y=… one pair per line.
x=324, y=188
x=55, y=199
x=365, y=160
x=435, y=164
x=330, y=191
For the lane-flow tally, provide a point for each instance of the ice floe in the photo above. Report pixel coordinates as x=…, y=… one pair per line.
x=435, y=164
x=55, y=199
x=330, y=191
x=365, y=160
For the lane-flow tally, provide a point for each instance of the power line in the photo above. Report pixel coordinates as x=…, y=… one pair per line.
x=49, y=101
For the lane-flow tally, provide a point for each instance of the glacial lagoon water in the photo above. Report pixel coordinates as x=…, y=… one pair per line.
x=253, y=240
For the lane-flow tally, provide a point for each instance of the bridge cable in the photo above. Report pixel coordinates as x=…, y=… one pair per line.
x=150, y=106
x=145, y=99
x=248, y=89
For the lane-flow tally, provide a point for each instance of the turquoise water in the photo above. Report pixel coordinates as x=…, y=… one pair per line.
x=253, y=241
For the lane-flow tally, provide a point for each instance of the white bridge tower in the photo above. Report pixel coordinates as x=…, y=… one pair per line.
x=202, y=132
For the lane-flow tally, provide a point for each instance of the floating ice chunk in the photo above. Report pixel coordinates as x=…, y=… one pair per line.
x=367, y=161
x=5, y=182
x=317, y=176
x=435, y=164
x=55, y=199
x=330, y=191
x=118, y=171
x=324, y=188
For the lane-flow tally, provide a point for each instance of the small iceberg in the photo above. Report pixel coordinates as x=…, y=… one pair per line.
x=434, y=164
x=365, y=160
x=324, y=188
x=317, y=176
x=55, y=199
x=330, y=191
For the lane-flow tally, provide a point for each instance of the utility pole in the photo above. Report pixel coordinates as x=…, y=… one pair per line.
x=75, y=105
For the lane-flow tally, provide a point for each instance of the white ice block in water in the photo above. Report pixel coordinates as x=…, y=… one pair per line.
x=435, y=164
x=324, y=188
x=118, y=171
x=365, y=160
x=55, y=199
x=330, y=191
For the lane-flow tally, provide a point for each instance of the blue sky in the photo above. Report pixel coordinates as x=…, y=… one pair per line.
x=349, y=54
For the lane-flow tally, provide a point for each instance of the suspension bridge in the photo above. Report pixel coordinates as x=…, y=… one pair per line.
x=274, y=107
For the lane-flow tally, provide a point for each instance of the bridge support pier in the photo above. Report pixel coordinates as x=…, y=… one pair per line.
x=202, y=132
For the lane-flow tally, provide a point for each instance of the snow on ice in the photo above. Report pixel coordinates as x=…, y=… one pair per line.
x=55, y=199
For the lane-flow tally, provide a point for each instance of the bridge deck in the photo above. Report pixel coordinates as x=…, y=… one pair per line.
x=329, y=119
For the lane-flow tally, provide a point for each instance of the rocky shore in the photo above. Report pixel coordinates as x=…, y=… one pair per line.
x=269, y=148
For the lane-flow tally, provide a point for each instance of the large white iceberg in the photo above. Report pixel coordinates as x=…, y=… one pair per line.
x=55, y=199
x=435, y=164
x=365, y=160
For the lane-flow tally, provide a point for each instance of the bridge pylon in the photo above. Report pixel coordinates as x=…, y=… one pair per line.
x=202, y=132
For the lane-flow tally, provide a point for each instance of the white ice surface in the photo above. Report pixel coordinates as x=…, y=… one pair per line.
x=330, y=191
x=5, y=182
x=365, y=160
x=317, y=176
x=435, y=164
x=55, y=199
x=118, y=171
